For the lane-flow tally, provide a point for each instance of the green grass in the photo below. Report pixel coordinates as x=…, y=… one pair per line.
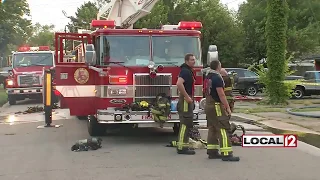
x=259, y=110
x=306, y=110
x=3, y=96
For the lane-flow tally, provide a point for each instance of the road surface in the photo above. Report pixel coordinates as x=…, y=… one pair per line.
x=28, y=153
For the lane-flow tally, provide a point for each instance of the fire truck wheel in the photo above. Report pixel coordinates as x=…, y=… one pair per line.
x=12, y=101
x=94, y=128
x=176, y=128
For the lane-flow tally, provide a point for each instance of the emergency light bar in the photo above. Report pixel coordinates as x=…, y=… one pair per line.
x=39, y=48
x=103, y=24
x=186, y=25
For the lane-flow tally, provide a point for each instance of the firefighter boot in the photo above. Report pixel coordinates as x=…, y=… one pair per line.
x=187, y=151
x=215, y=155
x=230, y=158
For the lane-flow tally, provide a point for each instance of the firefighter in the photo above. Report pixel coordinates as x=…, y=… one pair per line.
x=229, y=81
x=218, y=115
x=185, y=104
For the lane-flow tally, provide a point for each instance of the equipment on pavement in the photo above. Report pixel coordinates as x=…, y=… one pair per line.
x=87, y=144
x=234, y=138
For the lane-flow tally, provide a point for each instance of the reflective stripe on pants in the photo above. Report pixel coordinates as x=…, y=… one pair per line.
x=225, y=149
x=181, y=144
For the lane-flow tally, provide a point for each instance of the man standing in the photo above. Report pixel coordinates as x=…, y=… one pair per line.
x=218, y=115
x=185, y=105
x=228, y=87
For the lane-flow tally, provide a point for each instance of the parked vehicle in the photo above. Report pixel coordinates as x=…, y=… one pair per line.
x=4, y=73
x=310, y=85
x=247, y=83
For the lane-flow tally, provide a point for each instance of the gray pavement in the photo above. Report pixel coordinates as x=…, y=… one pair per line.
x=44, y=154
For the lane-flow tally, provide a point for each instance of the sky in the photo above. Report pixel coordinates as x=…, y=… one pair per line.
x=50, y=11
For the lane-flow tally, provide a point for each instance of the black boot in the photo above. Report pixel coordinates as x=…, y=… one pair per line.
x=230, y=158
x=186, y=151
x=214, y=154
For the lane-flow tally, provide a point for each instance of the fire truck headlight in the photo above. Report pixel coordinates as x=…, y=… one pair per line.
x=118, y=92
x=202, y=103
x=9, y=82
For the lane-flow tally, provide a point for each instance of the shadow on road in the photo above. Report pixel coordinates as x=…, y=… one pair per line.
x=140, y=135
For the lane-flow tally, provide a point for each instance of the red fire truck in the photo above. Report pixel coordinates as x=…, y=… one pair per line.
x=125, y=65
x=25, y=78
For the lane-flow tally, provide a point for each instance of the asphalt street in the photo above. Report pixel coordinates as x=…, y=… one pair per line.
x=28, y=153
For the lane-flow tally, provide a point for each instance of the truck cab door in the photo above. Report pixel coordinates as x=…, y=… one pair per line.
x=310, y=81
x=317, y=75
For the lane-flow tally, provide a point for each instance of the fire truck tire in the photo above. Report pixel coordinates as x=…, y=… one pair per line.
x=12, y=101
x=176, y=128
x=94, y=128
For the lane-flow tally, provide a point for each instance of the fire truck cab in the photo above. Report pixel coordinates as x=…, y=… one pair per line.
x=123, y=67
x=25, y=78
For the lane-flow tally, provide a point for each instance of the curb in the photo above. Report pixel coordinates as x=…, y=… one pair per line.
x=289, y=111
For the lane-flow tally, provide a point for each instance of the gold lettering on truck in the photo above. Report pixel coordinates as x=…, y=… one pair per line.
x=81, y=75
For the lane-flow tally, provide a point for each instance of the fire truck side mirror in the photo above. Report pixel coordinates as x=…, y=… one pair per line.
x=90, y=55
x=212, y=54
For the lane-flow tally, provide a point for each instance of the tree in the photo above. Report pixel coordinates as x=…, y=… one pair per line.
x=276, y=33
x=303, y=27
x=43, y=35
x=14, y=28
x=84, y=15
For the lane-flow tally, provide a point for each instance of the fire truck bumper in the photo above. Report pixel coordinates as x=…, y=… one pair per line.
x=25, y=92
x=142, y=118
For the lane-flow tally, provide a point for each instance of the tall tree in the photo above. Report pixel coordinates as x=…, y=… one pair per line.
x=303, y=27
x=14, y=27
x=43, y=35
x=276, y=31
x=84, y=15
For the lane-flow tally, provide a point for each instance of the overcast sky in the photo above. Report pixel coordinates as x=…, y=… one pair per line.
x=50, y=11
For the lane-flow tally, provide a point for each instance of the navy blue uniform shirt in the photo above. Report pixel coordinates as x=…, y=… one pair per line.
x=187, y=75
x=216, y=82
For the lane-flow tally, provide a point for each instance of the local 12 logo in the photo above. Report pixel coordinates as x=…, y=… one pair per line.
x=283, y=140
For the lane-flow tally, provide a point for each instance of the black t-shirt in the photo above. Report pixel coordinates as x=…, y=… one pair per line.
x=186, y=75
x=216, y=82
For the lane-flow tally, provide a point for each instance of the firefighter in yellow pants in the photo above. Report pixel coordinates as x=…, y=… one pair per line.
x=218, y=115
x=185, y=106
x=228, y=87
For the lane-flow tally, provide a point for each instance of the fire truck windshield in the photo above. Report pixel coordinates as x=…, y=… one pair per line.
x=135, y=50
x=32, y=59
x=172, y=49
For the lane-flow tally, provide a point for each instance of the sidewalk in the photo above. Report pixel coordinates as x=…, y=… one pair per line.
x=282, y=121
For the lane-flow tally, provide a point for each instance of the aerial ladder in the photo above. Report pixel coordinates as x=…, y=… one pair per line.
x=126, y=12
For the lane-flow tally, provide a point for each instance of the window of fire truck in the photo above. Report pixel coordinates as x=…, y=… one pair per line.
x=172, y=49
x=130, y=50
x=32, y=59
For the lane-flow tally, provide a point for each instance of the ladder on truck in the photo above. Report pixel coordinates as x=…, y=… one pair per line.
x=126, y=12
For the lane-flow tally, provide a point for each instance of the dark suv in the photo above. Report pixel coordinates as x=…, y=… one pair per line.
x=247, y=81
